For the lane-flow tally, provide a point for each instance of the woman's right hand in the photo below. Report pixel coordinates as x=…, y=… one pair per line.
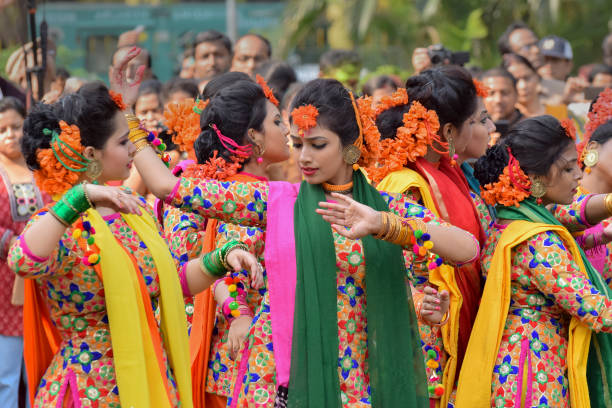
x=113, y=197
x=237, y=334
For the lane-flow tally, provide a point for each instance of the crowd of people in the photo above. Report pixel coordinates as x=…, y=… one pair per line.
x=234, y=237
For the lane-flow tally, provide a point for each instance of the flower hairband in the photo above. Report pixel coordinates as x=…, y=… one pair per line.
x=481, y=89
x=266, y=89
x=118, y=99
x=398, y=98
x=305, y=118
x=183, y=121
x=570, y=129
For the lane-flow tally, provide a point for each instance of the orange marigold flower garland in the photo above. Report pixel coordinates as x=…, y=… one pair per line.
x=481, y=89
x=570, y=129
x=398, y=98
x=512, y=187
x=118, y=99
x=411, y=141
x=305, y=118
x=52, y=176
x=183, y=121
x=216, y=168
x=266, y=89
x=370, y=148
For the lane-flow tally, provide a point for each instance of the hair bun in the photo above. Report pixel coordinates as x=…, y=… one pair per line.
x=42, y=116
x=489, y=167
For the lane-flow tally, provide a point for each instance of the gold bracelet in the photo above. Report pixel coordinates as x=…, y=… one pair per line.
x=608, y=203
x=444, y=321
x=87, y=196
x=384, y=225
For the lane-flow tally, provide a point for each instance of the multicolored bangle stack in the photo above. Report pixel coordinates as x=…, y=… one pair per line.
x=142, y=138
x=72, y=204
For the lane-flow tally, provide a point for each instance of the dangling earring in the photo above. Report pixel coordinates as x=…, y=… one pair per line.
x=94, y=170
x=260, y=152
x=538, y=189
x=590, y=159
x=351, y=155
x=451, y=151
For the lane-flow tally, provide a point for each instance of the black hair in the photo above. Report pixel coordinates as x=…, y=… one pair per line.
x=11, y=103
x=599, y=69
x=234, y=110
x=150, y=86
x=333, y=102
x=213, y=36
x=511, y=58
x=278, y=75
x=503, y=44
x=91, y=109
x=378, y=82
x=187, y=86
x=537, y=143
x=260, y=37
x=293, y=89
x=223, y=81
x=62, y=73
x=603, y=133
x=497, y=73
x=448, y=90
x=336, y=58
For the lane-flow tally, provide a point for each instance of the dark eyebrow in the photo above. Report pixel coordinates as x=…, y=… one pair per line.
x=311, y=138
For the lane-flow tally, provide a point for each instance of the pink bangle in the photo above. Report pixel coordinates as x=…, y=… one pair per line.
x=183, y=279
x=242, y=307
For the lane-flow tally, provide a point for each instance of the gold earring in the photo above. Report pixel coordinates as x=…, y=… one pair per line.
x=590, y=158
x=451, y=151
x=351, y=154
x=538, y=189
x=94, y=170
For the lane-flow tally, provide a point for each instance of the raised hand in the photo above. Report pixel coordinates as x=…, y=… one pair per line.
x=360, y=219
x=239, y=259
x=118, y=78
x=435, y=305
x=113, y=197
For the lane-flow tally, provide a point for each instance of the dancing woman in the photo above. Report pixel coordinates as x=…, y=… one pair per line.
x=246, y=115
x=544, y=308
x=314, y=311
x=99, y=258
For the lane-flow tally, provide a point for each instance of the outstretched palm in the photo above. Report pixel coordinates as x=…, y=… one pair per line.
x=118, y=78
x=350, y=218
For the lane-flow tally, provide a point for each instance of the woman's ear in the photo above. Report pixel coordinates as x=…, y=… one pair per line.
x=91, y=153
x=448, y=131
x=255, y=137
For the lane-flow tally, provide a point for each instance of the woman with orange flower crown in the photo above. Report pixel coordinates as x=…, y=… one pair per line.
x=596, y=179
x=99, y=257
x=242, y=133
x=542, y=333
x=312, y=341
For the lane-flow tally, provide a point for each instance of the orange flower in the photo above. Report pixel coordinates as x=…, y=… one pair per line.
x=52, y=176
x=600, y=114
x=504, y=191
x=398, y=98
x=305, y=118
x=118, y=99
x=370, y=149
x=411, y=141
x=266, y=89
x=481, y=90
x=216, y=168
x=570, y=129
x=183, y=122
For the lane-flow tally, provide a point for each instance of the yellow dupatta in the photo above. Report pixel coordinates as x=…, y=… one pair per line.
x=139, y=368
x=444, y=277
x=474, y=389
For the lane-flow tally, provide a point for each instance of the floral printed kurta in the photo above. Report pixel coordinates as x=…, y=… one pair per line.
x=245, y=203
x=185, y=232
x=75, y=297
x=547, y=289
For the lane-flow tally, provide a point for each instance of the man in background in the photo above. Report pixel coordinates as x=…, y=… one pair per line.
x=251, y=51
x=212, y=55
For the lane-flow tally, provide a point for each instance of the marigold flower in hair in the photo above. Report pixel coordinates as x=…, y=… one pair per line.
x=183, y=122
x=118, y=99
x=52, y=176
x=305, y=118
x=398, y=98
x=600, y=114
x=512, y=187
x=266, y=89
x=216, y=168
x=370, y=149
x=570, y=129
x=481, y=89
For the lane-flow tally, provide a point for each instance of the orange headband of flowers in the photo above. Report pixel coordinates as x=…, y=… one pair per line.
x=481, y=90
x=266, y=89
x=118, y=99
x=512, y=187
x=570, y=129
x=183, y=122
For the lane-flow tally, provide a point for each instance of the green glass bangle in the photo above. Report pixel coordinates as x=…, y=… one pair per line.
x=211, y=265
x=57, y=217
x=227, y=248
x=64, y=213
x=77, y=198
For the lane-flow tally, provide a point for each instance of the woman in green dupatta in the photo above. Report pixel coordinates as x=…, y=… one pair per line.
x=338, y=352
x=541, y=336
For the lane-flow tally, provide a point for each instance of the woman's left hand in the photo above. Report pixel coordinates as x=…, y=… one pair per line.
x=360, y=219
x=239, y=259
x=118, y=78
x=435, y=305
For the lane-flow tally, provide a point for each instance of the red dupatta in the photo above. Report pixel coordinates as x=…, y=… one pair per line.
x=451, y=193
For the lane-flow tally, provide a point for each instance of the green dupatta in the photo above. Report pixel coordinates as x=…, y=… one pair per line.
x=599, y=366
x=395, y=361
